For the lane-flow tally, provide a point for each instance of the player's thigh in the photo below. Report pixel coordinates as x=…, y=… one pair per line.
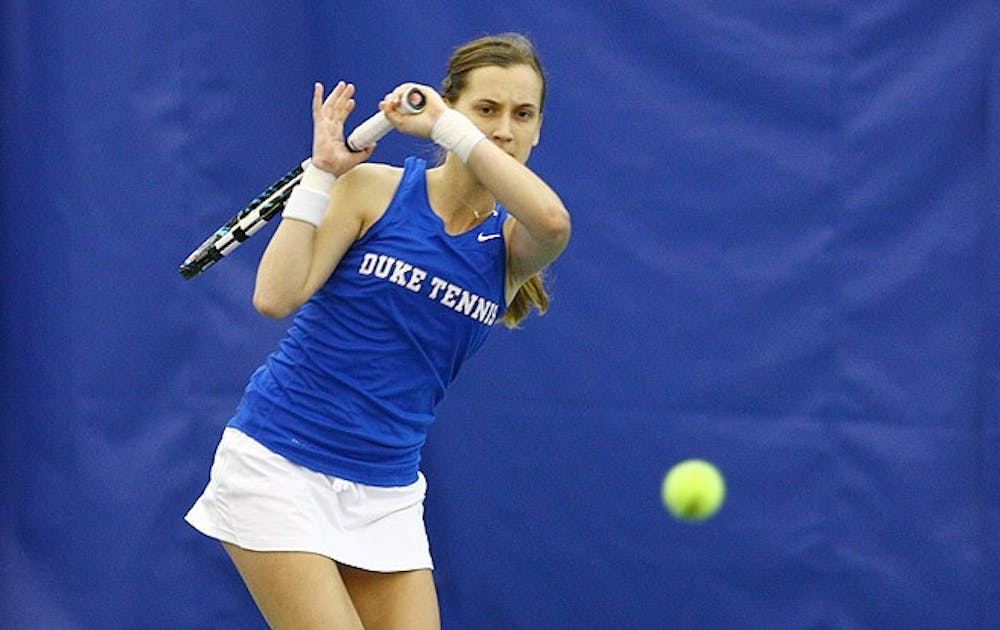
x=393, y=601
x=295, y=589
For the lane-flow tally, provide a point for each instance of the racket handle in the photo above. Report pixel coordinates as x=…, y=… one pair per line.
x=371, y=131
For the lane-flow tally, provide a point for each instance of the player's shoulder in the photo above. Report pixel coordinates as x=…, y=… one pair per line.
x=366, y=190
x=371, y=177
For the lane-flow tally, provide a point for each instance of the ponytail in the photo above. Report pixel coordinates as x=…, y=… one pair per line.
x=531, y=294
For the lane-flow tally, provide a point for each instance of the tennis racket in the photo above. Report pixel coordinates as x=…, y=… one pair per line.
x=271, y=201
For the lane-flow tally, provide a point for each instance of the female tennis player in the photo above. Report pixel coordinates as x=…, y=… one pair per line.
x=395, y=276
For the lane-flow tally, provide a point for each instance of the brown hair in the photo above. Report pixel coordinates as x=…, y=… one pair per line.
x=503, y=50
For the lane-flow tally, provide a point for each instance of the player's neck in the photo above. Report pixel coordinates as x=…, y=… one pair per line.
x=457, y=196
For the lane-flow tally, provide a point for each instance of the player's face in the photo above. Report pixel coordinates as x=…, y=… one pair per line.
x=505, y=104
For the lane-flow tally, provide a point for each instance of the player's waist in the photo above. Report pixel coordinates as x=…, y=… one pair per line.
x=367, y=449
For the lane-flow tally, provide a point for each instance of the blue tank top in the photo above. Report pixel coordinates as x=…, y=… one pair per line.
x=351, y=389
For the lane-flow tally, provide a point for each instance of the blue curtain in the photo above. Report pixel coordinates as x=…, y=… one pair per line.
x=785, y=259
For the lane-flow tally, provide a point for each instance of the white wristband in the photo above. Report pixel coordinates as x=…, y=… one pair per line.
x=310, y=197
x=454, y=132
x=316, y=178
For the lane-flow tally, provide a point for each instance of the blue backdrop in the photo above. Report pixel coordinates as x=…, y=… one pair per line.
x=785, y=259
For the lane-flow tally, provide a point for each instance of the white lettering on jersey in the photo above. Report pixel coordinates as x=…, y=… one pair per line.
x=437, y=284
x=450, y=294
x=416, y=278
x=445, y=293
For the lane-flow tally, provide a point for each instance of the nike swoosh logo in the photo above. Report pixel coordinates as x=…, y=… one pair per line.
x=482, y=238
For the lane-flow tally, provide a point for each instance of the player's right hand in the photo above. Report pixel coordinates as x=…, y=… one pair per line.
x=329, y=151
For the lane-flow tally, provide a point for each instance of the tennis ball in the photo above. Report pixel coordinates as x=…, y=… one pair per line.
x=693, y=490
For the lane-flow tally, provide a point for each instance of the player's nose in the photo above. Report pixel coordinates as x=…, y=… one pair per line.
x=502, y=131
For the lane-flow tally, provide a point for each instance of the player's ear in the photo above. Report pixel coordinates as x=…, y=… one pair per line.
x=538, y=132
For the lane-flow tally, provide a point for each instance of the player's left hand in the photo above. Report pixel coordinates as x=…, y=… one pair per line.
x=419, y=124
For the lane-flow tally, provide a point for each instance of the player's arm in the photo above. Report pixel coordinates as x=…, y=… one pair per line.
x=300, y=258
x=320, y=221
x=540, y=227
x=299, y=253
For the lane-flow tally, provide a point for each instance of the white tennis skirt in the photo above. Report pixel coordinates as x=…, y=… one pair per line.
x=258, y=500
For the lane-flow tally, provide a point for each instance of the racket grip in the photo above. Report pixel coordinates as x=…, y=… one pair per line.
x=372, y=130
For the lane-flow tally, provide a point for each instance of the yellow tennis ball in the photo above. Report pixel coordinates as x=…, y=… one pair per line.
x=693, y=490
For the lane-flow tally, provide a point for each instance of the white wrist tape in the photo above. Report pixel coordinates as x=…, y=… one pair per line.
x=454, y=132
x=310, y=197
